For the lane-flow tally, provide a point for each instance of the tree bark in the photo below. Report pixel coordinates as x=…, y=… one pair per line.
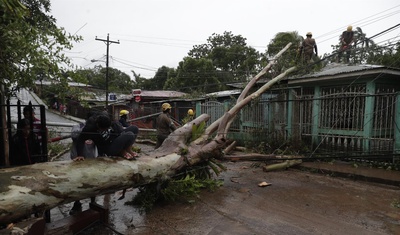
x=34, y=188
x=230, y=147
x=258, y=157
x=282, y=166
x=28, y=189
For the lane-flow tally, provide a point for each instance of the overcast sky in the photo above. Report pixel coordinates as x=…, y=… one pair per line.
x=153, y=33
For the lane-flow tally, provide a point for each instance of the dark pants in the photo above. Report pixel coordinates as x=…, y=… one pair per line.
x=160, y=140
x=125, y=140
x=347, y=50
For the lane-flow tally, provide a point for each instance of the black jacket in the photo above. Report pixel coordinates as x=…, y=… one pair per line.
x=101, y=140
x=24, y=151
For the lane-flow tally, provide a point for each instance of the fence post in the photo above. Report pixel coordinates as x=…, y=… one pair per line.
x=396, y=146
x=315, y=115
x=368, y=115
x=289, y=118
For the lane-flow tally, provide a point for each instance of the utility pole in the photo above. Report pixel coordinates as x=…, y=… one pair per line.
x=107, y=42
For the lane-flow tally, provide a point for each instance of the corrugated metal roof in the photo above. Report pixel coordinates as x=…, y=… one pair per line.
x=163, y=93
x=224, y=93
x=335, y=69
x=71, y=84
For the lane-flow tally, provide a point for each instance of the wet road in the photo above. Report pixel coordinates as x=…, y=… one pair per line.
x=297, y=202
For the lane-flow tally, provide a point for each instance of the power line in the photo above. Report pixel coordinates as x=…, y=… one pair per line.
x=339, y=29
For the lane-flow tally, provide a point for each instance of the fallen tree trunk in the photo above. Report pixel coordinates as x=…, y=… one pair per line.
x=34, y=188
x=282, y=166
x=229, y=149
x=28, y=189
x=258, y=157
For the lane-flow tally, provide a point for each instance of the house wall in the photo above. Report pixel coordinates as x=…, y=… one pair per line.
x=348, y=119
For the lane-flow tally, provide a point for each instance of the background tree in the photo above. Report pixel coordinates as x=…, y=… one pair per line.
x=118, y=81
x=194, y=75
x=155, y=83
x=226, y=57
x=230, y=56
x=31, y=44
x=388, y=55
x=159, y=79
x=291, y=57
x=208, y=67
x=363, y=47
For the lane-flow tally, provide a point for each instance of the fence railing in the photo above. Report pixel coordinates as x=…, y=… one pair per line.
x=347, y=121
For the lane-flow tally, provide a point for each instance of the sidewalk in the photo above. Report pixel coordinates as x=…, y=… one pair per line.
x=359, y=173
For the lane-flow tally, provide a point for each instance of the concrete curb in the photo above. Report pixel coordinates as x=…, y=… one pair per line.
x=360, y=173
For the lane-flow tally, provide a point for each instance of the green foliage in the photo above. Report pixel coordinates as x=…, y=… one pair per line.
x=229, y=53
x=31, y=44
x=186, y=187
x=187, y=119
x=183, y=151
x=290, y=57
x=136, y=149
x=388, y=55
x=56, y=148
x=194, y=75
x=278, y=145
x=366, y=51
x=157, y=82
x=118, y=81
x=208, y=67
x=13, y=8
x=216, y=166
x=146, y=198
x=396, y=204
x=198, y=130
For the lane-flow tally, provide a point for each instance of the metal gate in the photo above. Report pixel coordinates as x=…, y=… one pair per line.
x=214, y=109
x=37, y=126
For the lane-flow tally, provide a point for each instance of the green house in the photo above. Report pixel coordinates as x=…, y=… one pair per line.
x=343, y=109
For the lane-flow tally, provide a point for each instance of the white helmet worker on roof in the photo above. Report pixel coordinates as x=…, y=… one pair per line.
x=165, y=106
x=123, y=112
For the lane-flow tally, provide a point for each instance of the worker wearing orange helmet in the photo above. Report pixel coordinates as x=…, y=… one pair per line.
x=165, y=125
x=346, y=39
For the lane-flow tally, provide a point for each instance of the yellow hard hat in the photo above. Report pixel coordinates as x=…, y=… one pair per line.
x=190, y=112
x=349, y=28
x=123, y=112
x=165, y=106
x=309, y=34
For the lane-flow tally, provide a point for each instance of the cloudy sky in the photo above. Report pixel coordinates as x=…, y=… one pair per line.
x=153, y=33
